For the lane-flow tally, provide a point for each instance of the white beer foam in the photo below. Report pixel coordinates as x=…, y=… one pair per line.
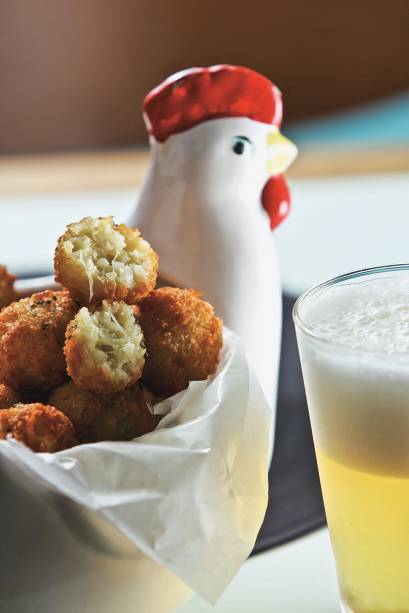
x=359, y=399
x=371, y=315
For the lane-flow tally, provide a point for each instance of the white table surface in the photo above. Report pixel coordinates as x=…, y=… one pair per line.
x=337, y=224
x=295, y=578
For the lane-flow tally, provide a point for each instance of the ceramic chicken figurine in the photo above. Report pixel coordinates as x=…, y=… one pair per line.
x=214, y=191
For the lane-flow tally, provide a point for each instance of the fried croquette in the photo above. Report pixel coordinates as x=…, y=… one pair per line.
x=183, y=338
x=39, y=426
x=104, y=348
x=97, y=259
x=7, y=292
x=32, y=333
x=8, y=396
x=122, y=416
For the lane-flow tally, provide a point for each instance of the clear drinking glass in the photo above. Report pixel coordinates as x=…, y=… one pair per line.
x=353, y=339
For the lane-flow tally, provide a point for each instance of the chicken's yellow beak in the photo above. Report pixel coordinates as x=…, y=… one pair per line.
x=281, y=153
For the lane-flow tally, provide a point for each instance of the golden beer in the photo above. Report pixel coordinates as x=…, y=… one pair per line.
x=368, y=518
x=353, y=338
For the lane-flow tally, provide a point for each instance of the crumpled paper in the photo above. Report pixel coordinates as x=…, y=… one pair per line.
x=192, y=494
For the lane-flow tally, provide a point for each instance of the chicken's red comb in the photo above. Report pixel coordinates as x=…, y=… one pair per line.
x=195, y=95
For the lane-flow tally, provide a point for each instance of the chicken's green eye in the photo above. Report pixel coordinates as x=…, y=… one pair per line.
x=241, y=144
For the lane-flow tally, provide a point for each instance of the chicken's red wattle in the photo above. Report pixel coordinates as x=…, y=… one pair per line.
x=276, y=200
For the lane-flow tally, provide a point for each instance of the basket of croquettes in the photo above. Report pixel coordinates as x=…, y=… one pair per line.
x=133, y=405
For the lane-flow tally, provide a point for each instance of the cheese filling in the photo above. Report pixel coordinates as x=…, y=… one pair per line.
x=113, y=338
x=106, y=254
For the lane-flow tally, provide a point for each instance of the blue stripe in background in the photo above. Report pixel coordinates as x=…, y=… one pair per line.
x=384, y=122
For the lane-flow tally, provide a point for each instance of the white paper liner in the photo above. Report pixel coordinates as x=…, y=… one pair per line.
x=192, y=494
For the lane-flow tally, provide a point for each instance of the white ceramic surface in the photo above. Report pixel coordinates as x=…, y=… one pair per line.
x=200, y=208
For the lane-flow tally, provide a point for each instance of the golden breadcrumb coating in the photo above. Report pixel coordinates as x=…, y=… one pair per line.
x=32, y=333
x=7, y=292
x=39, y=426
x=8, y=396
x=183, y=338
x=117, y=417
x=97, y=259
x=104, y=348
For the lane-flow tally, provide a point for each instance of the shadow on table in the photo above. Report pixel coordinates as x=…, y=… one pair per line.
x=295, y=505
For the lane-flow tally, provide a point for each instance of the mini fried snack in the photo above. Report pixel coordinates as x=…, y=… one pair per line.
x=123, y=344
x=8, y=396
x=41, y=427
x=183, y=338
x=104, y=348
x=121, y=416
x=97, y=259
x=7, y=291
x=32, y=333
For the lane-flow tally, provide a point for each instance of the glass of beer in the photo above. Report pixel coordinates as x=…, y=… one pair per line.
x=353, y=339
